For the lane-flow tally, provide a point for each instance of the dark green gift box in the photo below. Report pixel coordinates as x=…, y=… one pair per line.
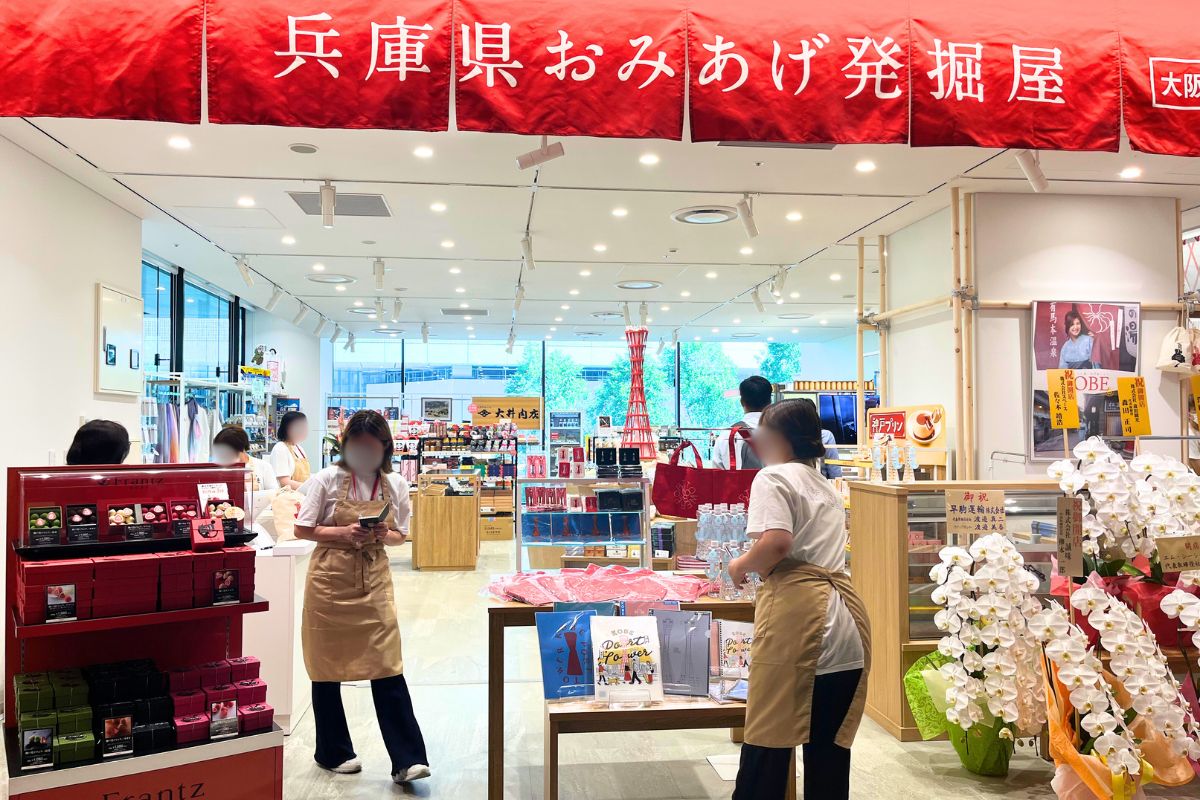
x=34, y=696
x=72, y=747
x=68, y=694
x=34, y=720
x=65, y=675
x=75, y=720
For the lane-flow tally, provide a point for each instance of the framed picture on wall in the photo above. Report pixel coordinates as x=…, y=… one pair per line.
x=436, y=408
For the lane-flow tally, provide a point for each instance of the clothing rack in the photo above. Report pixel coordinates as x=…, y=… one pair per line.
x=175, y=391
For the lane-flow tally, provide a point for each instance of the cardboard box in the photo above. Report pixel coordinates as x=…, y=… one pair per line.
x=71, y=748
x=32, y=720
x=68, y=570
x=177, y=563
x=685, y=534
x=214, y=673
x=239, y=558
x=251, y=691
x=219, y=694
x=190, y=701
x=255, y=717
x=117, y=568
x=69, y=694
x=175, y=601
x=243, y=668
x=38, y=696
x=191, y=728
x=153, y=709
x=74, y=720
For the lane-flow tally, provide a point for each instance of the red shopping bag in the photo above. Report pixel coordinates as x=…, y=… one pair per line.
x=679, y=489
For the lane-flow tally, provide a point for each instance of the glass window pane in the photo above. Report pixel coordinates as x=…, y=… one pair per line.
x=205, y=334
x=156, y=319
x=594, y=378
x=709, y=376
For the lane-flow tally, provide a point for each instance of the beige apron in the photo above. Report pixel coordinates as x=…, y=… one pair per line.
x=301, y=470
x=789, y=630
x=350, y=632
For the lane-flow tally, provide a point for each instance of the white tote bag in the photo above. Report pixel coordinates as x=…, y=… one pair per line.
x=1177, y=351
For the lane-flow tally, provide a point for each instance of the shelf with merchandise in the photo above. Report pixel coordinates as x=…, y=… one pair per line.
x=185, y=615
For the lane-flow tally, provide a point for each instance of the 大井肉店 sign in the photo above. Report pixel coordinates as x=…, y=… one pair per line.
x=934, y=72
x=526, y=412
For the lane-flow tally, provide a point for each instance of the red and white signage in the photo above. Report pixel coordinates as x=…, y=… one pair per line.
x=1160, y=57
x=332, y=64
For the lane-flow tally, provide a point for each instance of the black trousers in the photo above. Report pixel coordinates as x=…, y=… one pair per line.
x=763, y=773
x=393, y=710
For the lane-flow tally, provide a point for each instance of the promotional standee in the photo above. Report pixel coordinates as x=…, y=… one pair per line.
x=126, y=587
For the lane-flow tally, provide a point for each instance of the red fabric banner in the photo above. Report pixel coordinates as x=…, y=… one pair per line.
x=333, y=64
x=1160, y=67
x=116, y=59
x=1023, y=73
x=764, y=71
x=569, y=68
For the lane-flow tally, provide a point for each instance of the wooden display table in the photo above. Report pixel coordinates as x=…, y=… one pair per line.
x=448, y=525
x=502, y=616
x=676, y=714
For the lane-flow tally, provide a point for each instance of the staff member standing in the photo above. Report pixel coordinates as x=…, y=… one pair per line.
x=288, y=457
x=231, y=446
x=350, y=632
x=755, y=392
x=811, y=650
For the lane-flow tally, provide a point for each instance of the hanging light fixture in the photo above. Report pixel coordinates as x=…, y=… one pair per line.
x=328, y=204
x=322, y=324
x=379, y=270
x=512, y=340
x=628, y=318
x=301, y=315
x=337, y=333
x=745, y=212
x=643, y=314
x=379, y=308
x=519, y=297
x=758, y=303
x=244, y=267
x=547, y=152
x=353, y=342
x=1031, y=166
x=778, y=281
x=662, y=345
x=276, y=296
x=425, y=333
x=527, y=252
x=396, y=308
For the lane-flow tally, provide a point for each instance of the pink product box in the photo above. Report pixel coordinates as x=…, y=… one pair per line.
x=188, y=702
x=220, y=694
x=244, y=668
x=182, y=679
x=251, y=691
x=214, y=673
x=191, y=728
x=255, y=717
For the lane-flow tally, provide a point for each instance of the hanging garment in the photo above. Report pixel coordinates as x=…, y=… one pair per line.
x=193, y=431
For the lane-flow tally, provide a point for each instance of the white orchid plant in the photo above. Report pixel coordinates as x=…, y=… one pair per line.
x=987, y=596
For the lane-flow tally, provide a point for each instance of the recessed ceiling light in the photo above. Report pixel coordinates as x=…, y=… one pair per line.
x=368, y=241
x=778, y=301
x=795, y=330
x=470, y=327
x=710, y=275
x=638, y=285
x=743, y=335
x=339, y=288
x=794, y=295
x=383, y=326
x=716, y=330
x=364, y=311
x=358, y=303
x=1131, y=173
x=606, y=314
x=737, y=322
x=455, y=270
x=288, y=240
x=468, y=319
x=437, y=208
x=246, y=201
x=161, y=288
x=470, y=336
x=664, y=308
x=447, y=243
x=548, y=336
x=685, y=293
x=392, y=335
x=620, y=212
x=770, y=338
x=318, y=267
x=866, y=165
x=191, y=299
x=648, y=159
x=695, y=338
x=423, y=152
x=705, y=215
x=747, y=251
x=835, y=276
x=330, y=277
x=794, y=216
x=565, y=307
x=372, y=315
x=459, y=289
x=824, y=322
x=796, y=315
x=302, y=148
x=558, y=319
x=573, y=292
x=179, y=143
x=464, y=305
x=583, y=273
x=649, y=319
x=552, y=328
x=599, y=248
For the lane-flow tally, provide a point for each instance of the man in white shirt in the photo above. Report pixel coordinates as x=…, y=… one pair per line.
x=756, y=395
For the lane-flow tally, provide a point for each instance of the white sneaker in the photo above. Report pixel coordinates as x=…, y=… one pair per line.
x=414, y=773
x=351, y=767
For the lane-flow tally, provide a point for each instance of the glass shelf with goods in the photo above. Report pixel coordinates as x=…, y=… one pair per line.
x=564, y=513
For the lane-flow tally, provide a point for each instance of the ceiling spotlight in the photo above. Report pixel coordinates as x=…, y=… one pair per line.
x=244, y=267
x=737, y=321
x=322, y=324
x=664, y=308
x=447, y=243
x=527, y=252
x=547, y=152
x=685, y=293
x=565, y=307
x=648, y=159
x=824, y=322
x=276, y=296
x=179, y=143
x=358, y=303
x=599, y=248
x=1031, y=167
x=746, y=215
x=794, y=295
x=288, y=239
x=583, y=273
x=464, y=305
x=778, y=282
x=573, y=292
x=423, y=152
x=460, y=289
x=628, y=318
x=437, y=207
x=643, y=314
x=758, y=303
x=397, y=307
x=662, y=345
x=1131, y=173
x=301, y=315
x=835, y=276
x=519, y=297
x=866, y=165
x=379, y=307
x=339, y=288
x=425, y=332
x=328, y=204
x=558, y=319
x=710, y=274
x=794, y=216
x=778, y=301
x=246, y=201
x=747, y=251
x=455, y=270
x=337, y=333
x=351, y=342
x=318, y=267
x=379, y=270
x=620, y=212
x=716, y=330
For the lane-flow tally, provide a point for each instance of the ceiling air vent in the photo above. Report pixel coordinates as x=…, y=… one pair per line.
x=348, y=205
x=464, y=312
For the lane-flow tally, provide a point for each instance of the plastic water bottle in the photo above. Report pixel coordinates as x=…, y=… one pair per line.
x=703, y=526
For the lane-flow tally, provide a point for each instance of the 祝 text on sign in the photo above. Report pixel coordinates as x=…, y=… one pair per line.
x=1070, y=537
x=526, y=412
x=1135, y=412
x=1178, y=553
x=973, y=512
x=1064, y=407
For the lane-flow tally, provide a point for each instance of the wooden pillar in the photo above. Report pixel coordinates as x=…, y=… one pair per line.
x=1181, y=285
x=882, y=386
x=969, y=423
x=859, y=387
x=956, y=306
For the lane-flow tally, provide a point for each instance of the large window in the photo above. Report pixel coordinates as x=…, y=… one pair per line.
x=156, y=318
x=205, y=334
x=593, y=378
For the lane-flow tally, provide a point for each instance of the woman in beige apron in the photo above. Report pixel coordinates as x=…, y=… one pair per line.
x=811, y=650
x=291, y=463
x=350, y=632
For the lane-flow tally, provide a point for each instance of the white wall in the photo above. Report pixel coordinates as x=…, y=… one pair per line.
x=300, y=350
x=57, y=240
x=1065, y=247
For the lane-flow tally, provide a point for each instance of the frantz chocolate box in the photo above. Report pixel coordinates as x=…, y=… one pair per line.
x=214, y=673
x=191, y=728
x=251, y=691
x=127, y=566
x=187, y=702
x=183, y=678
x=220, y=694
x=244, y=668
x=256, y=717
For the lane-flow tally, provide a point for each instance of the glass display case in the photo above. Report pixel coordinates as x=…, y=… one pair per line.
x=596, y=519
x=896, y=533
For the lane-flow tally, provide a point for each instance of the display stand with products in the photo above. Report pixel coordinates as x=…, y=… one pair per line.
x=554, y=514
x=110, y=620
x=896, y=533
x=446, y=522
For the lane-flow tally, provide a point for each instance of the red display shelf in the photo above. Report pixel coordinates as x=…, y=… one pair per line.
x=45, y=629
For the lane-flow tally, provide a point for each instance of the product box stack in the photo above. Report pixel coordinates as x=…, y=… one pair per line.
x=208, y=699
x=571, y=462
x=126, y=584
x=51, y=590
x=223, y=576
x=175, y=590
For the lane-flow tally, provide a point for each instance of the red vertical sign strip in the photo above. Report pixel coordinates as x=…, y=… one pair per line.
x=333, y=64
x=1160, y=68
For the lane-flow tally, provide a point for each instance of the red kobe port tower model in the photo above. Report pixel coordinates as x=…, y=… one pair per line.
x=637, y=420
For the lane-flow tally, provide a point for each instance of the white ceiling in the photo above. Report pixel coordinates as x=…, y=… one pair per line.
x=488, y=201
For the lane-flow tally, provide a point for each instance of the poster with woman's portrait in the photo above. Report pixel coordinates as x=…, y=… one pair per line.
x=1100, y=342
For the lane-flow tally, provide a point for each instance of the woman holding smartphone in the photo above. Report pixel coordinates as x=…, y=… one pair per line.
x=350, y=632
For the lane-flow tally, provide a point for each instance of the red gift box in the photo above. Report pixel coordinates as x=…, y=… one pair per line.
x=179, y=563
x=31, y=603
x=244, y=668
x=69, y=570
x=129, y=566
x=219, y=694
x=251, y=691
x=175, y=601
x=132, y=589
x=214, y=673
x=256, y=717
x=207, y=535
x=191, y=701
x=176, y=583
x=191, y=728
x=182, y=679
x=239, y=557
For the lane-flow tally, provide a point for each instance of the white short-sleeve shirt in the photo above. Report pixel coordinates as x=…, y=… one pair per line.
x=798, y=499
x=325, y=488
x=282, y=459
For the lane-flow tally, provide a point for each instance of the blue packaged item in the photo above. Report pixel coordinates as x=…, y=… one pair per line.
x=626, y=527
x=565, y=642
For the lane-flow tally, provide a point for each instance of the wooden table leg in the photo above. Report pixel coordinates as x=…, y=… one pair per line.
x=791, y=785
x=550, y=768
x=737, y=735
x=495, y=707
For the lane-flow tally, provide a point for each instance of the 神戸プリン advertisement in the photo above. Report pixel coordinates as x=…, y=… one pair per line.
x=1099, y=341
